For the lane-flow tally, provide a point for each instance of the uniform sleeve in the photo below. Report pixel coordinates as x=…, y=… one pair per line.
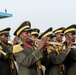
x=73, y=53
x=58, y=58
x=24, y=59
x=1, y=55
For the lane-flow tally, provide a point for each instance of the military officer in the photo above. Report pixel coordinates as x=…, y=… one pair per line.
x=53, y=58
x=58, y=34
x=26, y=56
x=5, y=37
x=34, y=36
x=35, y=33
x=5, y=65
x=70, y=61
x=51, y=69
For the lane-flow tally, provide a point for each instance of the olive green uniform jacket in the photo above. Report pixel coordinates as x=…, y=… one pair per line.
x=5, y=68
x=53, y=62
x=26, y=59
x=70, y=63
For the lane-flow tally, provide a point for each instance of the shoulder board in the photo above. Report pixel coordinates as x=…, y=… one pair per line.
x=17, y=48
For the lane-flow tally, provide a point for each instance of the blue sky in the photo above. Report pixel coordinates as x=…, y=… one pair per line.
x=41, y=13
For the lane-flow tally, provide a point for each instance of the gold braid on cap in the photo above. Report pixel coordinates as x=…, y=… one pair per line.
x=22, y=29
x=68, y=30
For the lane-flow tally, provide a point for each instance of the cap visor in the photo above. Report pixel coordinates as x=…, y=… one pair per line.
x=27, y=30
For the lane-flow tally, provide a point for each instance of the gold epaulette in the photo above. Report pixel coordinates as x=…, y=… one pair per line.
x=17, y=48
